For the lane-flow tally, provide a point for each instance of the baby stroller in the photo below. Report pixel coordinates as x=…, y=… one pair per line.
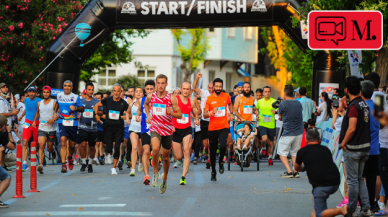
x=244, y=157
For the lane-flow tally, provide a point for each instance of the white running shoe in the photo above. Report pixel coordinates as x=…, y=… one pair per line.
x=175, y=164
x=110, y=159
x=95, y=161
x=155, y=180
x=132, y=172
x=113, y=171
x=140, y=167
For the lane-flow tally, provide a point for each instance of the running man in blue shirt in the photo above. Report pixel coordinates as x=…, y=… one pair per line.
x=69, y=104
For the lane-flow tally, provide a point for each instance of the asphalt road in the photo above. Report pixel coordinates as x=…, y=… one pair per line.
x=236, y=193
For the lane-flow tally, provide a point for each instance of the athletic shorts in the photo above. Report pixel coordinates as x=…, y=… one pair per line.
x=78, y=139
x=100, y=136
x=138, y=133
x=289, y=144
x=28, y=130
x=4, y=175
x=145, y=139
x=231, y=131
x=179, y=134
x=164, y=140
x=87, y=136
x=258, y=135
x=126, y=133
x=49, y=135
x=69, y=132
x=204, y=129
x=270, y=133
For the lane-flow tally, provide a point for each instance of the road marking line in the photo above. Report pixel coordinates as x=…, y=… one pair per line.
x=104, y=198
x=92, y=205
x=79, y=213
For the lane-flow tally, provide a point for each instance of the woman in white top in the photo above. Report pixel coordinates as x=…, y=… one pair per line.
x=135, y=131
x=324, y=109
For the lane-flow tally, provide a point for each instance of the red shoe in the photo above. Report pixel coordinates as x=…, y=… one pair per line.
x=146, y=180
x=270, y=162
x=70, y=162
x=64, y=168
x=235, y=163
x=264, y=152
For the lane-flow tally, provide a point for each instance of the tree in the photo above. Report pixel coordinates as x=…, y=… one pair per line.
x=28, y=27
x=129, y=81
x=194, y=52
x=370, y=59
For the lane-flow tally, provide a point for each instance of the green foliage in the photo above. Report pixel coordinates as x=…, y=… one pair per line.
x=368, y=57
x=297, y=62
x=194, y=52
x=27, y=27
x=129, y=81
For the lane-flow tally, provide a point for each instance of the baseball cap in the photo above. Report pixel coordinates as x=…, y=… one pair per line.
x=3, y=121
x=240, y=84
x=2, y=84
x=84, y=92
x=17, y=96
x=47, y=88
x=297, y=90
x=33, y=88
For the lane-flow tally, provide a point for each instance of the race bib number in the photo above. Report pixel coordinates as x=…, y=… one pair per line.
x=267, y=118
x=159, y=109
x=88, y=113
x=184, y=119
x=134, y=116
x=114, y=115
x=68, y=123
x=45, y=124
x=220, y=112
x=26, y=125
x=248, y=109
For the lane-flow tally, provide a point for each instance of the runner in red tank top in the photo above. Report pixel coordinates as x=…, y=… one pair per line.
x=182, y=128
x=161, y=127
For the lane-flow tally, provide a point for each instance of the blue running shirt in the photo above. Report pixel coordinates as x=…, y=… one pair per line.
x=65, y=113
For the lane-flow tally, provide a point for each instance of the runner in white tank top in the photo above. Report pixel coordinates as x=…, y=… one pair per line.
x=47, y=112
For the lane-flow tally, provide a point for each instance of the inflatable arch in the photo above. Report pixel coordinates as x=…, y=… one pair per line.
x=99, y=18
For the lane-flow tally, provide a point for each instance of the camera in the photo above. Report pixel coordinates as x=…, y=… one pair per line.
x=276, y=104
x=335, y=101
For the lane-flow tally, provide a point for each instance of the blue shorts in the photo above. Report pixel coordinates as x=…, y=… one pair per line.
x=69, y=132
x=321, y=194
x=126, y=133
x=232, y=130
x=4, y=175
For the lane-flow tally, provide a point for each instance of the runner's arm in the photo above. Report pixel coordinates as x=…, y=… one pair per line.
x=194, y=109
x=139, y=111
x=36, y=114
x=147, y=105
x=177, y=114
x=237, y=102
x=197, y=90
x=231, y=116
x=299, y=168
x=56, y=108
x=96, y=108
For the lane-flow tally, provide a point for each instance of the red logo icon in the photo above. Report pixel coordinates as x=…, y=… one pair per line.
x=345, y=30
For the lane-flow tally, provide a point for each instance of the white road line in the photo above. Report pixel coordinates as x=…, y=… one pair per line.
x=77, y=213
x=92, y=205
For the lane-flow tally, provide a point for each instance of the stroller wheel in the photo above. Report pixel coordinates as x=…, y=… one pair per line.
x=228, y=159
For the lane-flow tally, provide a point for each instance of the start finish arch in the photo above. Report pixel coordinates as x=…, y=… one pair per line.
x=99, y=18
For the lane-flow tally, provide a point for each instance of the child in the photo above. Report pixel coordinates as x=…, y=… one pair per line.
x=246, y=136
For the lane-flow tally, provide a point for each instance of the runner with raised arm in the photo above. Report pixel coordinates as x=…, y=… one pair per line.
x=160, y=102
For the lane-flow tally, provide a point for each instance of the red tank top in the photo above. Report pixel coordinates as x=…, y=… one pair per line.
x=160, y=121
x=185, y=122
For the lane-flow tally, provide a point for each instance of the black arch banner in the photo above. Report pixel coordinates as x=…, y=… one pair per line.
x=99, y=18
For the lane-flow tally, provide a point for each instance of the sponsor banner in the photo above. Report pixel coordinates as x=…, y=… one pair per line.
x=304, y=30
x=135, y=11
x=54, y=91
x=328, y=88
x=355, y=58
x=345, y=30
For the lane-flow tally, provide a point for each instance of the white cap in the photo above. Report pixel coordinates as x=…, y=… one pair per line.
x=17, y=97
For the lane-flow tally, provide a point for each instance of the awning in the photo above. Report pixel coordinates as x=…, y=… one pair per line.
x=242, y=72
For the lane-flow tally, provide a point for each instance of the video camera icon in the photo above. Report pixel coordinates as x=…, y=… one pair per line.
x=330, y=28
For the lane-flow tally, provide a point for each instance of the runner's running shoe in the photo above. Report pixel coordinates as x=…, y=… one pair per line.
x=155, y=180
x=25, y=168
x=146, y=180
x=3, y=205
x=120, y=165
x=83, y=167
x=129, y=164
x=208, y=164
x=113, y=170
x=195, y=162
x=163, y=186
x=90, y=168
x=40, y=169
x=270, y=162
x=95, y=161
x=221, y=169
x=175, y=164
x=70, y=162
x=214, y=177
x=140, y=168
x=343, y=203
x=64, y=168
x=132, y=172
x=183, y=181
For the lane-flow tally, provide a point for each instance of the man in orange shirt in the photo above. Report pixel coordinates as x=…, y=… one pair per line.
x=216, y=109
x=243, y=105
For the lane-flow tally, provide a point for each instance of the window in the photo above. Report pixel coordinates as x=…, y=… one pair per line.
x=107, y=77
x=145, y=74
x=228, y=86
x=211, y=29
x=212, y=75
x=231, y=32
x=248, y=33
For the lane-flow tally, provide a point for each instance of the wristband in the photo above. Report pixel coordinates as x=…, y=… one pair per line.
x=75, y=108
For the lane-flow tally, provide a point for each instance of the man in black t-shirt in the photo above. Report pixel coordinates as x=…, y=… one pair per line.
x=322, y=173
x=114, y=122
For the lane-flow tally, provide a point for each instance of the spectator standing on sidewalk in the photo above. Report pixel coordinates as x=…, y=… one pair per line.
x=355, y=142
